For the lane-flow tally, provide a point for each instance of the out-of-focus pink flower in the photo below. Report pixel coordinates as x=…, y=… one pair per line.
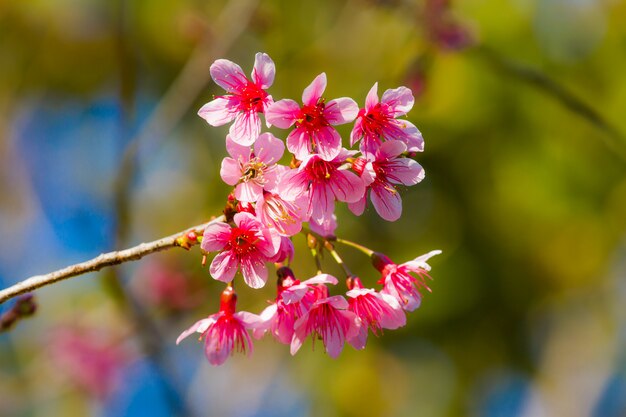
x=89, y=358
x=283, y=215
x=398, y=282
x=252, y=170
x=322, y=182
x=382, y=174
x=160, y=285
x=246, y=99
x=329, y=319
x=378, y=121
x=443, y=28
x=225, y=331
x=314, y=120
x=249, y=244
x=376, y=310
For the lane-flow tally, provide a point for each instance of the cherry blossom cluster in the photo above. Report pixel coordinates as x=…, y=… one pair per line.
x=272, y=202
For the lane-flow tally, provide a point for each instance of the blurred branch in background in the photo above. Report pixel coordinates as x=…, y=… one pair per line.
x=613, y=138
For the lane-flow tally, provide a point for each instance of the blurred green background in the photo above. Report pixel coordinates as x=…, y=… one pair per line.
x=522, y=106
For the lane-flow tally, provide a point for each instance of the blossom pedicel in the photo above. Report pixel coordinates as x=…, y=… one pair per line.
x=271, y=203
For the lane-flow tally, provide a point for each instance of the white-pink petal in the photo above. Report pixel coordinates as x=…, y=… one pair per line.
x=246, y=128
x=268, y=148
x=198, y=327
x=229, y=171
x=254, y=272
x=224, y=266
x=327, y=140
x=228, y=75
x=341, y=110
x=220, y=111
x=282, y=113
x=388, y=203
x=215, y=236
x=400, y=100
x=313, y=92
x=372, y=98
x=264, y=70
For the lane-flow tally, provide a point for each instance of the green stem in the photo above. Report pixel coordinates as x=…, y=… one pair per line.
x=363, y=249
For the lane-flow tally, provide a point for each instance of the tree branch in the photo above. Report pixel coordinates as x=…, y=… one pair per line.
x=101, y=261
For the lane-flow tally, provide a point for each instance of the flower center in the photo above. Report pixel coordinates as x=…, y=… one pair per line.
x=311, y=118
x=242, y=241
x=375, y=121
x=253, y=170
x=252, y=97
x=320, y=170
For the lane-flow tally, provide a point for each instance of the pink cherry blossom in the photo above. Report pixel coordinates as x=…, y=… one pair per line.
x=283, y=215
x=378, y=121
x=252, y=170
x=376, y=310
x=382, y=174
x=399, y=283
x=246, y=98
x=225, y=331
x=90, y=358
x=322, y=182
x=329, y=319
x=314, y=120
x=293, y=299
x=248, y=245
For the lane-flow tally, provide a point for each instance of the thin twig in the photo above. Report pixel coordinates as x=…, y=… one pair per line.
x=101, y=261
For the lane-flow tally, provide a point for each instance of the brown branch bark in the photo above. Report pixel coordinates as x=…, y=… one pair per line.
x=101, y=261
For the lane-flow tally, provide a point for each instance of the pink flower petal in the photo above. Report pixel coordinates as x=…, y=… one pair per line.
x=390, y=149
x=328, y=143
x=254, y=272
x=358, y=207
x=246, y=128
x=321, y=279
x=395, y=317
x=420, y=261
x=388, y=204
x=220, y=111
x=229, y=171
x=200, y=326
x=268, y=148
x=215, y=236
x=341, y=110
x=298, y=143
x=248, y=192
x=400, y=100
x=293, y=184
x=224, y=266
x=239, y=153
x=357, y=131
x=228, y=75
x=263, y=71
x=360, y=340
x=283, y=113
x=372, y=98
x=410, y=135
x=249, y=320
x=347, y=187
x=321, y=204
x=337, y=301
x=405, y=171
x=314, y=91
